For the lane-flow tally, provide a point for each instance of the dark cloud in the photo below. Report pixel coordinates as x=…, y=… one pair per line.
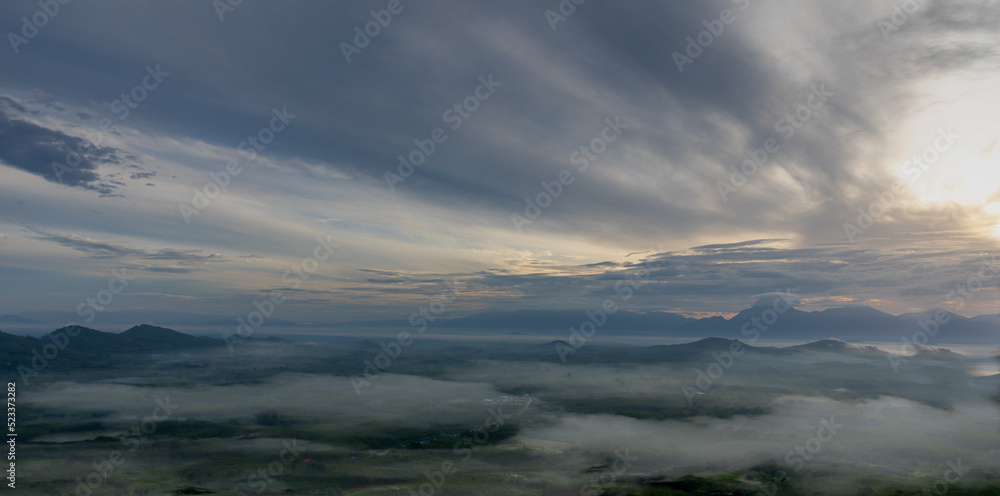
x=602, y=264
x=742, y=244
x=98, y=249
x=170, y=270
x=112, y=250
x=34, y=149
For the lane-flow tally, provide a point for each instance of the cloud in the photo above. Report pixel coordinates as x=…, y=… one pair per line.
x=741, y=244
x=33, y=148
x=655, y=185
x=123, y=252
x=706, y=278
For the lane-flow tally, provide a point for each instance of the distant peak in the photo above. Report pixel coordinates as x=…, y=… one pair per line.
x=776, y=298
x=144, y=328
x=714, y=339
x=836, y=345
x=713, y=342
x=77, y=329
x=928, y=351
x=853, y=309
x=828, y=343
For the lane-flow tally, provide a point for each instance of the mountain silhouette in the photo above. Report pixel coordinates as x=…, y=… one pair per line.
x=763, y=320
x=82, y=346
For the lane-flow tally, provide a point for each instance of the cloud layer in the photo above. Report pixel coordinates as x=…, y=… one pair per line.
x=753, y=131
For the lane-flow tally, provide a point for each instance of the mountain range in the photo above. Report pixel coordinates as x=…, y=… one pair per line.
x=853, y=323
x=81, y=347
x=78, y=345
x=856, y=323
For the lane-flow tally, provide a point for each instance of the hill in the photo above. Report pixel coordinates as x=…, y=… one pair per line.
x=81, y=346
x=160, y=338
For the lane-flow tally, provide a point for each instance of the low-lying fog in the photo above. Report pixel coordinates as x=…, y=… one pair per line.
x=849, y=413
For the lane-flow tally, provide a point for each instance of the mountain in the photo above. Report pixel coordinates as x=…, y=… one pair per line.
x=702, y=346
x=856, y=323
x=22, y=350
x=838, y=346
x=993, y=320
x=700, y=350
x=141, y=338
x=940, y=353
x=708, y=326
x=156, y=338
x=707, y=350
x=16, y=345
x=844, y=323
x=956, y=328
x=86, y=340
x=760, y=321
x=82, y=346
x=29, y=355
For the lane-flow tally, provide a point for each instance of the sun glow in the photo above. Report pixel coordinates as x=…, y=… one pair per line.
x=964, y=170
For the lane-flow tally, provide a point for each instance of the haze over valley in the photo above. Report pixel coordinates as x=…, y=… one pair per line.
x=500, y=247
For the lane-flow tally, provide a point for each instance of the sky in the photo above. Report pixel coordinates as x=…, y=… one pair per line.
x=355, y=157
